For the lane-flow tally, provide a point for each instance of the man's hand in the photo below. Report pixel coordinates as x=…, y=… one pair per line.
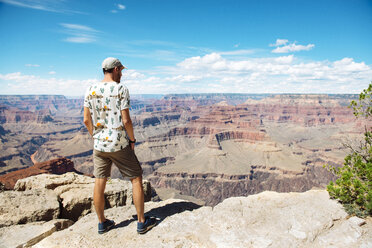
x=127, y=122
x=88, y=120
x=132, y=146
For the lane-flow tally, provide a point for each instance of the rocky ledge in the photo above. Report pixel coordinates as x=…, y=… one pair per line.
x=56, y=211
x=69, y=196
x=268, y=219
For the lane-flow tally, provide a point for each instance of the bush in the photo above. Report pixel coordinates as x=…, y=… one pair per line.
x=353, y=187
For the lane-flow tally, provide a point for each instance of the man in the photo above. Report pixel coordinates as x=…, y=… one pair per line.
x=106, y=116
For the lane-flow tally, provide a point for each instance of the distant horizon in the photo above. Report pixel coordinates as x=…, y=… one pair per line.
x=207, y=93
x=174, y=47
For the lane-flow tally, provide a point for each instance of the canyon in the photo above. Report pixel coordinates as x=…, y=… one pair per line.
x=206, y=146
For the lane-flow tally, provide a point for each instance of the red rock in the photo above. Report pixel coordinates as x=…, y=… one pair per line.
x=56, y=166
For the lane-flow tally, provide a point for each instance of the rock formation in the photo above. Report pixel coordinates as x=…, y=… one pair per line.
x=15, y=115
x=75, y=192
x=29, y=206
x=56, y=211
x=32, y=103
x=56, y=166
x=268, y=219
x=46, y=203
x=31, y=233
x=213, y=188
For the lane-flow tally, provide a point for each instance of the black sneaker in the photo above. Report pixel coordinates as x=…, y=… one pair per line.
x=149, y=223
x=105, y=226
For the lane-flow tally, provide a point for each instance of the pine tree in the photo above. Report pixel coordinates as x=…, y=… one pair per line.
x=353, y=187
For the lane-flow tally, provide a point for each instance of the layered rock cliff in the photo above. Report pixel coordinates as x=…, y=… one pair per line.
x=213, y=188
x=49, y=103
x=16, y=115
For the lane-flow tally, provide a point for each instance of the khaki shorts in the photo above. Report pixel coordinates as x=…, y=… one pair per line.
x=126, y=161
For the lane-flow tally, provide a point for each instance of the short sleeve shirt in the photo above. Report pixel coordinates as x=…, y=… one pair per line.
x=105, y=100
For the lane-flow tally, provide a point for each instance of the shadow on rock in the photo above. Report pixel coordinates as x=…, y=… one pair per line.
x=161, y=213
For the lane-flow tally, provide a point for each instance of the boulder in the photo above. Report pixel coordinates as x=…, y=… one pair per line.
x=267, y=219
x=20, y=207
x=76, y=192
x=29, y=234
x=51, y=181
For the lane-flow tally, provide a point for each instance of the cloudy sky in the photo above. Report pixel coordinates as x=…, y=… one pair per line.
x=186, y=46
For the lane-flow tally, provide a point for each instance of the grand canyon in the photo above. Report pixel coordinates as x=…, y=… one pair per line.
x=205, y=147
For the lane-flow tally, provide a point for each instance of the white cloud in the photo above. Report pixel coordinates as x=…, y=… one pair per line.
x=18, y=83
x=32, y=65
x=280, y=42
x=292, y=48
x=237, y=45
x=120, y=6
x=215, y=73
x=78, y=27
x=282, y=47
x=348, y=65
x=237, y=52
x=52, y=72
x=44, y=5
x=284, y=59
x=79, y=33
x=285, y=74
x=80, y=39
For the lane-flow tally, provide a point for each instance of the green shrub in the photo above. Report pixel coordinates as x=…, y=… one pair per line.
x=353, y=186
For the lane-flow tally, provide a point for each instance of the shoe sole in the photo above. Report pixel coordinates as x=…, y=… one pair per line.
x=147, y=229
x=107, y=229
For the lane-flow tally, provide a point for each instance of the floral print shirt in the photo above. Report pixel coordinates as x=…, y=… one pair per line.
x=105, y=100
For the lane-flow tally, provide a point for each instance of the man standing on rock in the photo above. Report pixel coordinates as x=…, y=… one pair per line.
x=106, y=116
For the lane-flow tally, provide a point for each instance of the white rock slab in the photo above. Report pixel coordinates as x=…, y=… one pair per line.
x=29, y=234
x=268, y=219
x=20, y=207
x=76, y=192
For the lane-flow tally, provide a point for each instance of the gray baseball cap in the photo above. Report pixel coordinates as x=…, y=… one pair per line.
x=111, y=62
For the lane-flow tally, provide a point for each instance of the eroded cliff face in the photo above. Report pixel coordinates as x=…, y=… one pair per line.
x=214, y=188
x=34, y=103
x=28, y=122
x=16, y=115
x=278, y=143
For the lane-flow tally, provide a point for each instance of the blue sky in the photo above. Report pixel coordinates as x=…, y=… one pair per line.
x=177, y=46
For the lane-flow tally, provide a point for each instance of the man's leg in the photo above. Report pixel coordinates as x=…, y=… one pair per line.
x=138, y=198
x=99, y=198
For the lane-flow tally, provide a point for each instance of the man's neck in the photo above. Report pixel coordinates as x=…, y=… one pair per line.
x=108, y=78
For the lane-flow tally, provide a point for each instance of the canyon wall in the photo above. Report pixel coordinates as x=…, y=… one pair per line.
x=210, y=146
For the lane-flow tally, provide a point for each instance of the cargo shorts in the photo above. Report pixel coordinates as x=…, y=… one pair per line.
x=125, y=159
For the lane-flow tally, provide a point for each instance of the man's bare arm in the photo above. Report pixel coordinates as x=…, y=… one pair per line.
x=88, y=120
x=127, y=122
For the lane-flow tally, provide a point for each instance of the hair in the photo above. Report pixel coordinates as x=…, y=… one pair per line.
x=108, y=71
